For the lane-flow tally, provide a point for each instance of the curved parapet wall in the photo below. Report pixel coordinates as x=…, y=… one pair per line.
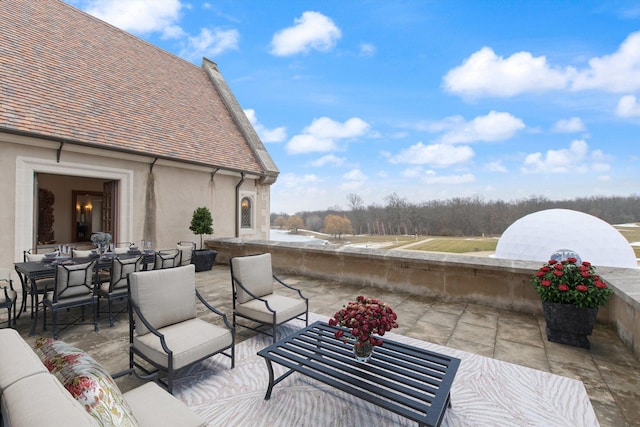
x=499, y=283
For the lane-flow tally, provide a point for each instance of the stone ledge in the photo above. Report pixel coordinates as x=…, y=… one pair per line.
x=494, y=282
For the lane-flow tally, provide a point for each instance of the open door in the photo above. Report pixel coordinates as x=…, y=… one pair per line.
x=110, y=209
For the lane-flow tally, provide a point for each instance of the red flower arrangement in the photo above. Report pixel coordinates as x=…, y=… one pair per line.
x=570, y=282
x=364, y=317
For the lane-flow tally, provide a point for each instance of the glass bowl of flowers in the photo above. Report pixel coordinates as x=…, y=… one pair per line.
x=571, y=292
x=362, y=319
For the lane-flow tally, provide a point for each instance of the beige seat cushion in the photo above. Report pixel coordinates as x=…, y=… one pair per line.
x=190, y=341
x=165, y=296
x=18, y=360
x=152, y=406
x=52, y=406
x=286, y=308
x=255, y=274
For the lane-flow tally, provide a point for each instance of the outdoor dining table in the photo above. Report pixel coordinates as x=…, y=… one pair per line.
x=31, y=271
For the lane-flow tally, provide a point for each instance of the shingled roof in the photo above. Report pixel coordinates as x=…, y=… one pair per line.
x=68, y=76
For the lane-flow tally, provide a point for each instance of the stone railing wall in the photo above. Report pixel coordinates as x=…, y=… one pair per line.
x=488, y=281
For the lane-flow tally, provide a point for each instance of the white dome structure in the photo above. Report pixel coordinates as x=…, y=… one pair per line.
x=537, y=236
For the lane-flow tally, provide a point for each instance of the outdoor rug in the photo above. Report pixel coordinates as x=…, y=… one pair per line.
x=485, y=392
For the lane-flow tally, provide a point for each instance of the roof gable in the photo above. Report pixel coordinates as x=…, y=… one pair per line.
x=67, y=75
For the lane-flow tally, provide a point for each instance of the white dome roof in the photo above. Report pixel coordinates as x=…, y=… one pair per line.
x=537, y=236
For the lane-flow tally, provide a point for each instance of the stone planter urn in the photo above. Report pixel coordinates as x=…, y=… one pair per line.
x=568, y=324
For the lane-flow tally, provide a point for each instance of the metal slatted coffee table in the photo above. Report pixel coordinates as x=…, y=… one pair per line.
x=407, y=380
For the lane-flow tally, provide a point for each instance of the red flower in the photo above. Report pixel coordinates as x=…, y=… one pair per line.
x=540, y=273
x=558, y=273
x=586, y=263
x=582, y=288
x=552, y=262
x=546, y=283
x=601, y=285
x=572, y=260
x=562, y=287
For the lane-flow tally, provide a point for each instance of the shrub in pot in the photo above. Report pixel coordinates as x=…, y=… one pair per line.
x=202, y=223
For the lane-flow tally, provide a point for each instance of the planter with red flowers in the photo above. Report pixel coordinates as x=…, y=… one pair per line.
x=571, y=293
x=362, y=319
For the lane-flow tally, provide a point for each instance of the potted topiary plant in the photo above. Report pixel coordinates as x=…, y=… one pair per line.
x=202, y=223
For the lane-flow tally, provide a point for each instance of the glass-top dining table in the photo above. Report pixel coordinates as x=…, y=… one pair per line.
x=31, y=271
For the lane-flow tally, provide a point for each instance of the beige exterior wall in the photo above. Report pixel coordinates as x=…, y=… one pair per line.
x=179, y=189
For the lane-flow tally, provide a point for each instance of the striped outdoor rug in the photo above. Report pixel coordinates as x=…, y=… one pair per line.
x=485, y=392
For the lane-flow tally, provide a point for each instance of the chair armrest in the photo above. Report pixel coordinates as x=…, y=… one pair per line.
x=215, y=310
x=153, y=330
x=290, y=287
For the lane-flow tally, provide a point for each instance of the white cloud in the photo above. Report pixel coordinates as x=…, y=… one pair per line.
x=139, y=16
x=353, y=180
x=496, y=166
x=432, y=178
x=628, y=107
x=323, y=134
x=434, y=154
x=266, y=135
x=618, y=72
x=575, y=159
x=329, y=159
x=494, y=126
x=291, y=180
x=210, y=43
x=571, y=125
x=355, y=175
x=414, y=172
x=367, y=49
x=486, y=74
x=312, y=30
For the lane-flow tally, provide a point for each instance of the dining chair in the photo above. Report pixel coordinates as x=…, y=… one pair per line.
x=121, y=248
x=186, y=249
x=8, y=296
x=73, y=287
x=116, y=287
x=167, y=258
x=36, y=287
x=253, y=284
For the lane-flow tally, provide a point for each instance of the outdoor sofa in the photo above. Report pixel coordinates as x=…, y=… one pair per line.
x=31, y=395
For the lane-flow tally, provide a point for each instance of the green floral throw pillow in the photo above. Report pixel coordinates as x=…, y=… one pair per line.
x=87, y=381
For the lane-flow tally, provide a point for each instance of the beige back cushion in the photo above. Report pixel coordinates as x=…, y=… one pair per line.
x=34, y=257
x=74, y=280
x=165, y=297
x=78, y=253
x=255, y=274
x=187, y=253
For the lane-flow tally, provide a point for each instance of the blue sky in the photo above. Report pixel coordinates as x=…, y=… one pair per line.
x=501, y=100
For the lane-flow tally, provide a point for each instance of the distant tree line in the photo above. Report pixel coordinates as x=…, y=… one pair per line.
x=471, y=216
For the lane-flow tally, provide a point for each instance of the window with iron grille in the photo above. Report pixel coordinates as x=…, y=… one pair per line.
x=245, y=212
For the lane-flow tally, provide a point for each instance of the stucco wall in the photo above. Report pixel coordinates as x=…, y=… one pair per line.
x=179, y=190
x=493, y=282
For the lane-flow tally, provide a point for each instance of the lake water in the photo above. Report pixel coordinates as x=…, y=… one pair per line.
x=285, y=236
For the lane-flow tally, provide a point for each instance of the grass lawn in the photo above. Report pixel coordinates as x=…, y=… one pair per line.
x=443, y=243
x=457, y=245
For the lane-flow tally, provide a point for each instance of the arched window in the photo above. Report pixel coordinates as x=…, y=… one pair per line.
x=245, y=212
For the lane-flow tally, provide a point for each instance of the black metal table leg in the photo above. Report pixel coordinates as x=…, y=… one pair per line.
x=270, y=388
